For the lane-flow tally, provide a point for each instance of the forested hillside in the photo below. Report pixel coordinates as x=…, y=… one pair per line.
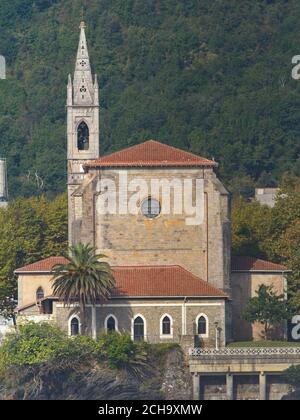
x=212, y=77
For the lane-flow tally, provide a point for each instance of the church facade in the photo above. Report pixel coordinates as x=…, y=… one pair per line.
x=162, y=217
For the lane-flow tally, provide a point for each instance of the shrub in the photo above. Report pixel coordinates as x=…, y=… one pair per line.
x=41, y=343
x=122, y=353
x=292, y=375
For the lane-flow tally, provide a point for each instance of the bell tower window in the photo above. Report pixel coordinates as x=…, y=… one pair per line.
x=83, y=136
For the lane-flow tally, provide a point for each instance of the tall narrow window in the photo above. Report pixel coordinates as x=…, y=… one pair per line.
x=111, y=324
x=202, y=327
x=166, y=325
x=138, y=329
x=83, y=136
x=39, y=293
x=74, y=326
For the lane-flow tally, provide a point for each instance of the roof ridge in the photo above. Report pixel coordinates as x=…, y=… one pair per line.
x=176, y=148
x=148, y=266
x=151, y=153
x=157, y=142
x=126, y=148
x=249, y=263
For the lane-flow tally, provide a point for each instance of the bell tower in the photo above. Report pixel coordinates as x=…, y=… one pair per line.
x=82, y=129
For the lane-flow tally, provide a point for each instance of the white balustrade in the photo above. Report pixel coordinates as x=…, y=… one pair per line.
x=245, y=351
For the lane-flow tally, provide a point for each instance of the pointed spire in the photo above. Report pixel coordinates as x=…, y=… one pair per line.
x=83, y=81
x=82, y=25
x=96, y=90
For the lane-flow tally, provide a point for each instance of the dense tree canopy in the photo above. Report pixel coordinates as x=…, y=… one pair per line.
x=274, y=233
x=30, y=229
x=212, y=77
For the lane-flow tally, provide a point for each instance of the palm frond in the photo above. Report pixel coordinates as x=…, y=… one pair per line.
x=84, y=278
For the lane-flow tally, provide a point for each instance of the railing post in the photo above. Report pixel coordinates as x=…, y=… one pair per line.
x=262, y=386
x=229, y=386
x=196, y=386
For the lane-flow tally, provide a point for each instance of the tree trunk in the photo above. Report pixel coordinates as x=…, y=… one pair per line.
x=266, y=330
x=82, y=318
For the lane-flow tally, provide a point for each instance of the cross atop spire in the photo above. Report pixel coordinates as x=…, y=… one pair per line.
x=82, y=16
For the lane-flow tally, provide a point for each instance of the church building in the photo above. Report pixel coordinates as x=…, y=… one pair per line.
x=169, y=246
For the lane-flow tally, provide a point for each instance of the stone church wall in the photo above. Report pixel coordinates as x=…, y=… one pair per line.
x=136, y=240
x=153, y=311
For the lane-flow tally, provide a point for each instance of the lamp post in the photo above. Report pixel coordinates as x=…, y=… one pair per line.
x=218, y=334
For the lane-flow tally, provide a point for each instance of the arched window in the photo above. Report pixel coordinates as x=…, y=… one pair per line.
x=111, y=323
x=39, y=293
x=166, y=328
x=138, y=329
x=83, y=136
x=74, y=326
x=202, y=325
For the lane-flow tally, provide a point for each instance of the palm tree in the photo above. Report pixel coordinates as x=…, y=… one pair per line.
x=84, y=278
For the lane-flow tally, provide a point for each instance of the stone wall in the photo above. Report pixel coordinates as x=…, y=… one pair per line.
x=244, y=286
x=245, y=387
x=277, y=387
x=213, y=387
x=128, y=239
x=28, y=285
x=152, y=311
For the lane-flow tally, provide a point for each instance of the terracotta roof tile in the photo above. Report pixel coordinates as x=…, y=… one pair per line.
x=159, y=281
x=150, y=153
x=43, y=266
x=254, y=264
x=144, y=281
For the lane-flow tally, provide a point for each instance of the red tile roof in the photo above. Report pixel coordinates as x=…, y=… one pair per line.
x=159, y=281
x=43, y=266
x=144, y=281
x=150, y=153
x=254, y=264
x=237, y=264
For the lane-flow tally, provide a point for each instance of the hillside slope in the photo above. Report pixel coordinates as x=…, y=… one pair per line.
x=211, y=77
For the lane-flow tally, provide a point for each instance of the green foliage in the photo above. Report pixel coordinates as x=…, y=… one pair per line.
x=268, y=308
x=41, y=360
x=210, y=77
x=272, y=233
x=41, y=343
x=251, y=225
x=292, y=375
x=85, y=277
x=119, y=350
x=30, y=229
x=139, y=358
